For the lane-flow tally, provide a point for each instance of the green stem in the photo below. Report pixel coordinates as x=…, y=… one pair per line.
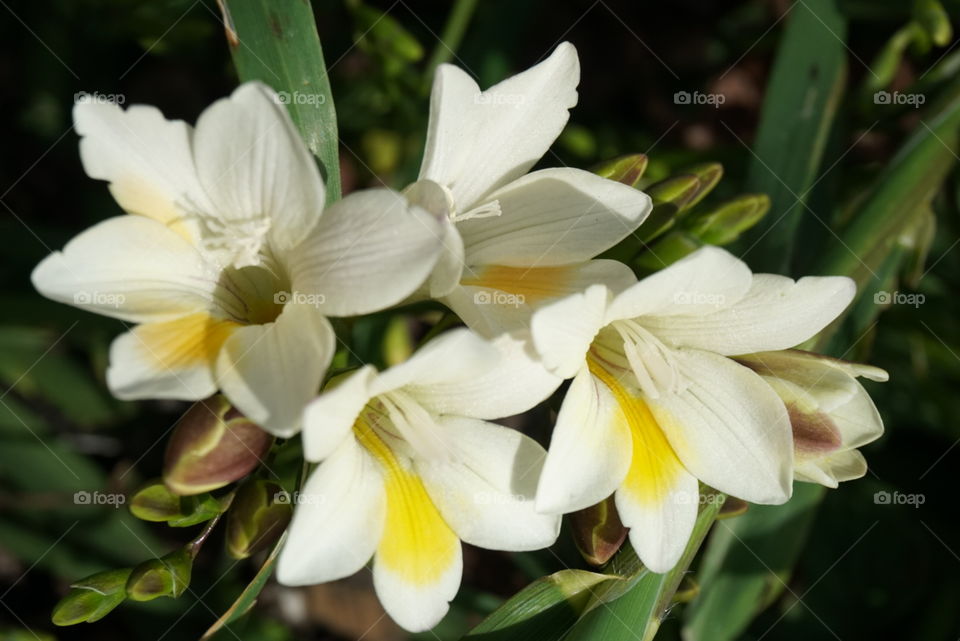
x=451, y=37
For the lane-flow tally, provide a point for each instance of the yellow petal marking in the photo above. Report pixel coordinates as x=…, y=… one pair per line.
x=417, y=544
x=534, y=284
x=654, y=468
x=139, y=197
x=183, y=342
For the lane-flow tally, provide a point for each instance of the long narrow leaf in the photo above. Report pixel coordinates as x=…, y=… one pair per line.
x=276, y=42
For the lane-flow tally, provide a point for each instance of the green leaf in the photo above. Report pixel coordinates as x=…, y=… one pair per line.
x=802, y=98
x=276, y=42
x=747, y=563
x=248, y=597
x=637, y=614
x=900, y=194
x=577, y=604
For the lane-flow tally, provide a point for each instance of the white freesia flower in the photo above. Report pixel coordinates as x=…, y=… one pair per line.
x=224, y=259
x=657, y=405
x=830, y=412
x=410, y=468
x=515, y=240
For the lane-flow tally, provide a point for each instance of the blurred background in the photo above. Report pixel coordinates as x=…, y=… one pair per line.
x=798, y=118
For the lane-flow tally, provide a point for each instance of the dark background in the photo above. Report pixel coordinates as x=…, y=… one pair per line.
x=868, y=571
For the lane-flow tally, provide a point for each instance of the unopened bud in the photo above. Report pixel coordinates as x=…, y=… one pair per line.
x=90, y=599
x=678, y=190
x=626, y=169
x=934, y=19
x=213, y=445
x=598, y=532
x=155, y=502
x=709, y=174
x=724, y=224
x=258, y=516
x=166, y=576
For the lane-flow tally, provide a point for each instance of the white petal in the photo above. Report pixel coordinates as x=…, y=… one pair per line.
x=703, y=282
x=486, y=490
x=255, y=167
x=338, y=521
x=449, y=268
x=554, y=217
x=729, y=428
x=833, y=469
x=328, y=419
x=147, y=159
x=494, y=299
x=562, y=332
x=478, y=141
x=129, y=267
x=370, y=251
x=515, y=384
x=170, y=359
x=776, y=313
x=457, y=355
x=660, y=518
x=590, y=450
x=270, y=372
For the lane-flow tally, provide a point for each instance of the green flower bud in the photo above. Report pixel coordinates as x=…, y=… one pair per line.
x=90, y=599
x=598, y=532
x=709, y=174
x=213, y=445
x=155, y=502
x=259, y=514
x=679, y=190
x=166, y=576
x=661, y=219
x=626, y=169
x=724, y=224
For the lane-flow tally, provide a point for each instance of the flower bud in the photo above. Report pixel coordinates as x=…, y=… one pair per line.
x=213, y=445
x=724, y=224
x=598, y=532
x=709, y=175
x=626, y=169
x=259, y=514
x=155, y=502
x=166, y=576
x=830, y=412
x=90, y=599
x=934, y=19
x=679, y=190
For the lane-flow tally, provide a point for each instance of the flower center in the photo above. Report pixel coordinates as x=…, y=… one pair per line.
x=236, y=243
x=252, y=295
x=402, y=421
x=625, y=346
